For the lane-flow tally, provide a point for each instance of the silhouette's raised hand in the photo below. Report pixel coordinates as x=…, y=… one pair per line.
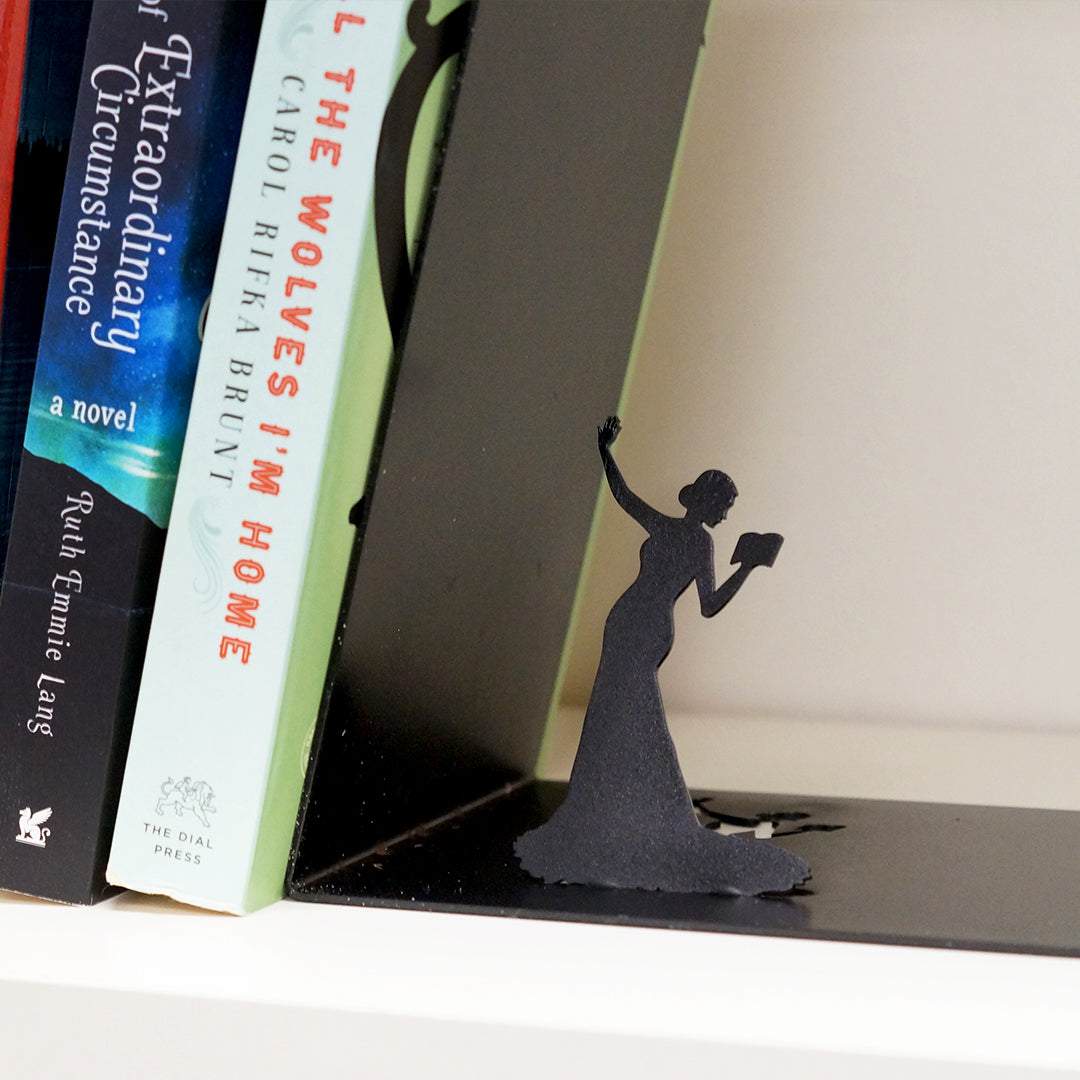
x=608, y=432
x=648, y=518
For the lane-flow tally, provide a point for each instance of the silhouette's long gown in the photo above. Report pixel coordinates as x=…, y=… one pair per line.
x=627, y=819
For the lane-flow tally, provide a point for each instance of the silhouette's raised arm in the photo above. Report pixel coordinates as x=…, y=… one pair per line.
x=713, y=599
x=636, y=507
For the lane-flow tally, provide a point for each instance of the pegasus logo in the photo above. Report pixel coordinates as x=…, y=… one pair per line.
x=185, y=796
x=30, y=830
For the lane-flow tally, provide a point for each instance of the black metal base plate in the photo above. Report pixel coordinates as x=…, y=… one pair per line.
x=932, y=874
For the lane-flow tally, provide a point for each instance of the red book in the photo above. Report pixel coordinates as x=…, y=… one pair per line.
x=14, y=15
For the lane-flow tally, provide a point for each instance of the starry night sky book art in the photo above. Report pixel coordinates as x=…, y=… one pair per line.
x=161, y=99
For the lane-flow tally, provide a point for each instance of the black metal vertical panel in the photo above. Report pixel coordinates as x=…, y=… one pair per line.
x=536, y=260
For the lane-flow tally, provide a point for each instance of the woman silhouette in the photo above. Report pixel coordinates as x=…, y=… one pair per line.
x=627, y=819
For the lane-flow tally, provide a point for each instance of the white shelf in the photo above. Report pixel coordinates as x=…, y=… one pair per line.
x=141, y=988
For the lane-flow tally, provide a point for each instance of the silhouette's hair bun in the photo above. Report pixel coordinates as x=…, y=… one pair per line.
x=712, y=490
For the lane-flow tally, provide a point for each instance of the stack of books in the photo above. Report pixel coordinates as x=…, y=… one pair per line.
x=211, y=218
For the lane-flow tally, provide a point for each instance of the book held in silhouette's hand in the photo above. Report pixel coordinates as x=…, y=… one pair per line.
x=757, y=549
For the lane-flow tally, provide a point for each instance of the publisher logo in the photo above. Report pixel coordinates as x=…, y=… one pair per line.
x=30, y=830
x=187, y=797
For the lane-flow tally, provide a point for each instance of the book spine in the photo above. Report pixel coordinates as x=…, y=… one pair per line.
x=14, y=17
x=153, y=141
x=55, y=43
x=206, y=768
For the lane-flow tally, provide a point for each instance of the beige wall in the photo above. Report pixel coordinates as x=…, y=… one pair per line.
x=867, y=311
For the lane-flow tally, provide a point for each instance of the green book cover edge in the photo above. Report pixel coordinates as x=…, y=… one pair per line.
x=352, y=435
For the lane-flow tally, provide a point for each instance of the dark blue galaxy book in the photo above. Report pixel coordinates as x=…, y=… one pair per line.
x=55, y=43
x=160, y=104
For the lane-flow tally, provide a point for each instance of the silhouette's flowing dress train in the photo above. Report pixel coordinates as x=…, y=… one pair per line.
x=627, y=819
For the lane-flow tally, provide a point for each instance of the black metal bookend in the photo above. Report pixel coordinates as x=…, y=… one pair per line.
x=423, y=780
x=627, y=820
